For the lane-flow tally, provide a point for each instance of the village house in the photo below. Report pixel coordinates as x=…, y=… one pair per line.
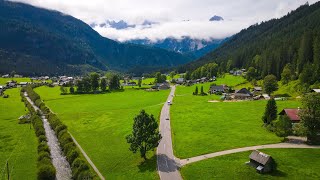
x=218, y=89
x=6, y=76
x=243, y=93
x=262, y=162
x=257, y=89
x=11, y=84
x=180, y=81
x=22, y=84
x=316, y=90
x=161, y=86
x=293, y=114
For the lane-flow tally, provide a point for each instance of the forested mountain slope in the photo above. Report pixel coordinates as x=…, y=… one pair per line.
x=40, y=41
x=269, y=46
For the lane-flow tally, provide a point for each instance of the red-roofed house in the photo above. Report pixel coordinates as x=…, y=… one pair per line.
x=293, y=114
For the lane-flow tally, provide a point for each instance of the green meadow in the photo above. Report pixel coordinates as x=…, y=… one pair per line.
x=5, y=80
x=291, y=164
x=100, y=124
x=201, y=127
x=18, y=143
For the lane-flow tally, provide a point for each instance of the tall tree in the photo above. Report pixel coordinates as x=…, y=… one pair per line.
x=94, y=80
x=172, y=74
x=270, y=84
x=270, y=112
x=114, y=82
x=139, y=82
x=286, y=74
x=251, y=74
x=310, y=117
x=159, y=78
x=86, y=84
x=145, y=134
x=283, y=126
x=187, y=75
x=305, y=53
x=103, y=84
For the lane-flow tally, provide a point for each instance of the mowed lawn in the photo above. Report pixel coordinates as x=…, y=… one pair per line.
x=201, y=127
x=291, y=163
x=18, y=143
x=100, y=124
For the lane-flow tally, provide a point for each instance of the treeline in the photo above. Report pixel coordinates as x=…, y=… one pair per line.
x=46, y=170
x=79, y=166
x=269, y=47
x=93, y=84
x=207, y=70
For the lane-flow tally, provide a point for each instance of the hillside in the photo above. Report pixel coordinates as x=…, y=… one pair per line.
x=40, y=41
x=270, y=45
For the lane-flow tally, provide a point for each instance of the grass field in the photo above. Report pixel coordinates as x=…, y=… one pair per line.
x=18, y=143
x=100, y=124
x=201, y=127
x=3, y=81
x=292, y=164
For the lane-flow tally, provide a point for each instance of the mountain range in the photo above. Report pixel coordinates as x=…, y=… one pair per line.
x=38, y=41
x=192, y=47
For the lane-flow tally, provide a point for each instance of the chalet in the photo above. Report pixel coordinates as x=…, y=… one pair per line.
x=180, y=81
x=23, y=84
x=243, y=93
x=161, y=86
x=257, y=89
x=131, y=84
x=293, y=114
x=203, y=79
x=218, y=89
x=316, y=90
x=262, y=162
x=6, y=76
x=11, y=84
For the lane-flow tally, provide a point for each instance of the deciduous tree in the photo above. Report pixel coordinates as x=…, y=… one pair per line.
x=270, y=84
x=145, y=134
x=270, y=112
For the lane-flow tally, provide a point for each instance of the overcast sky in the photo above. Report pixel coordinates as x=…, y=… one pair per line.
x=171, y=15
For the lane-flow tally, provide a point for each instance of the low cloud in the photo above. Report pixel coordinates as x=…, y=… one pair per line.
x=170, y=15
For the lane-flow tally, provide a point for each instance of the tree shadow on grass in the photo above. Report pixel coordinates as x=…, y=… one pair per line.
x=278, y=173
x=148, y=165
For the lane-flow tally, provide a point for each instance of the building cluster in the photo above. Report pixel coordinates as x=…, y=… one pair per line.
x=183, y=81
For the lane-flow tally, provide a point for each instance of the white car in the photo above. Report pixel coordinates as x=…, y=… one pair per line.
x=169, y=102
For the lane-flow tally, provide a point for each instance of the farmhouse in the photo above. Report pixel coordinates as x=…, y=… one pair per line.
x=180, y=81
x=262, y=162
x=293, y=114
x=23, y=84
x=216, y=89
x=11, y=84
x=316, y=90
x=243, y=93
x=161, y=86
x=257, y=89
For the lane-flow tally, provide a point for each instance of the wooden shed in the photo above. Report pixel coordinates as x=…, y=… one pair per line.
x=262, y=162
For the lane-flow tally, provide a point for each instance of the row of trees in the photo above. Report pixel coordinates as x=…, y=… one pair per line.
x=94, y=83
x=196, y=92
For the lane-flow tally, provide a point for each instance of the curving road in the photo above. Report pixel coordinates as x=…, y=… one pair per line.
x=168, y=167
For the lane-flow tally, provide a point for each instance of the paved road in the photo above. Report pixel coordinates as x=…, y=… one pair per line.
x=231, y=151
x=167, y=165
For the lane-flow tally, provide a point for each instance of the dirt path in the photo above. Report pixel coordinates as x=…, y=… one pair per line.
x=166, y=161
x=184, y=162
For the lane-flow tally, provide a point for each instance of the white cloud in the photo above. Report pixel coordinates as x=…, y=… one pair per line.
x=171, y=13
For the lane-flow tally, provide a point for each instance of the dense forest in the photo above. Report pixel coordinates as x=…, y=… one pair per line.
x=39, y=41
x=292, y=41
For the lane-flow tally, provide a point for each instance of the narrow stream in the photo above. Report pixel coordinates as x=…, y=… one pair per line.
x=63, y=170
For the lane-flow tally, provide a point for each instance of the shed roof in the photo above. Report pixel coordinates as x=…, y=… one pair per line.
x=260, y=157
x=293, y=114
x=316, y=90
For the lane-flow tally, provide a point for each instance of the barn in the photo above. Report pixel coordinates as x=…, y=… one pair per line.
x=262, y=162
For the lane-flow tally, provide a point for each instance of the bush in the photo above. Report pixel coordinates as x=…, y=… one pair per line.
x=72, y=155
x=42, y=138
x=43, y=155
x=60, y=128
x=43, y=147
x=65, y=139
x=46, y=172
x=69, y=147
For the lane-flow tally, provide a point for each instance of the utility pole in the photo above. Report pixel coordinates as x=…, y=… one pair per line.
x=8, y=170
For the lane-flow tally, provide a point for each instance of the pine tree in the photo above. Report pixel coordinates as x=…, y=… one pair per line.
x=270, y=113
x=286, y=74
x=196, y=91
